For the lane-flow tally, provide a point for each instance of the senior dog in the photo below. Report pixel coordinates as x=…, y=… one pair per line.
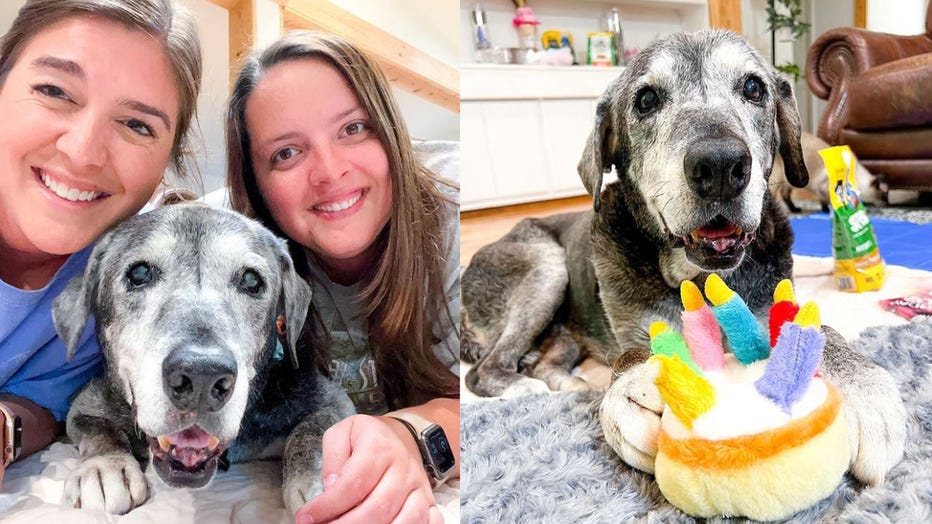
x=691, y=128
x=194, y=308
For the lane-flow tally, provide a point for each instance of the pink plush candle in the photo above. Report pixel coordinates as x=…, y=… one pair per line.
x=700, y=329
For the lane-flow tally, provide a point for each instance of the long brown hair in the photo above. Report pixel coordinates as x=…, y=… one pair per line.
x=402, y=311
x=172, y=26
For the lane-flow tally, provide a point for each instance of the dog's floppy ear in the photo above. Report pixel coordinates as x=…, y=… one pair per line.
x=789, y=127
x=72, y=307
x=296, y=295
x=598, y=156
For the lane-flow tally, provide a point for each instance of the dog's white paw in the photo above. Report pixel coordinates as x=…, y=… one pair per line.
x=876, y=419
x=111, y=483
x=630, y=415
x=300, y=488
x=525, y=386
x=575, y=384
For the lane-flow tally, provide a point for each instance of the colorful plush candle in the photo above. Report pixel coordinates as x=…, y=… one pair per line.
x=665, y=341
x=686, y=393
x=745, y=335
x=794, y=360
x=700, y=329
x=784, y=309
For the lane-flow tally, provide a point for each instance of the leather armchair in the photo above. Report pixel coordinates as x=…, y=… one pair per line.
x=879, y=92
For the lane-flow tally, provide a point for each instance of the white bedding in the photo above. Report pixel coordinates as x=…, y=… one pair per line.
x=247, y=493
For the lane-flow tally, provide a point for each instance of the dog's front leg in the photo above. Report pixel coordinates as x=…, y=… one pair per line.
x=108, y=478
x=630, y=411
x=873, y=409
x=302, y=459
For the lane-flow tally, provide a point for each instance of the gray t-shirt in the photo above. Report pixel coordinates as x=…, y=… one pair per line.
x=352, y=364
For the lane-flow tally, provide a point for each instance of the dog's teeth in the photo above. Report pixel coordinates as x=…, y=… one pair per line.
x=695, y=236
x=164, y=443
x=212, y=443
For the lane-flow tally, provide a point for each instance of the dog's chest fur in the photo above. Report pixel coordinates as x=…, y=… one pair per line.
x=616, y=272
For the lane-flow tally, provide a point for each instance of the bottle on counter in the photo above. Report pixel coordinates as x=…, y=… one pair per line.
x=480, y=29
x=613, y=20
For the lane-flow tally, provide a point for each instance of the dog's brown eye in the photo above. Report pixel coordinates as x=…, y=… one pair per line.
x=753, y=90
x=251, y=282
x=647, y=100
x=140, y=274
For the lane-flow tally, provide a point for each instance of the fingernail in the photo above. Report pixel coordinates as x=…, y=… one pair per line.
x=330, y=480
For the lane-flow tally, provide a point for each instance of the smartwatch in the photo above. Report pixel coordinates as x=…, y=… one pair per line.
x=432, y=443
x=12, y=435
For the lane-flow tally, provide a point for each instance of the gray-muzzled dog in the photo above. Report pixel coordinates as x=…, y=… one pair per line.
x=691, y=128
x=190, y=305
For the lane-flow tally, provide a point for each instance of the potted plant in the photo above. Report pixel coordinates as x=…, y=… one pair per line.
x=783, y=16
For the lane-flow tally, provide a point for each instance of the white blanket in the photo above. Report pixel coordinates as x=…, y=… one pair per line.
x=247, y=493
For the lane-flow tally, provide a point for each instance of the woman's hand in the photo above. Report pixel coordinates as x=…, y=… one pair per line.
x=372, y=473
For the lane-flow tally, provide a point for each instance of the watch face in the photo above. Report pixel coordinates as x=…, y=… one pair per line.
x=17, y=437
x=439, y=448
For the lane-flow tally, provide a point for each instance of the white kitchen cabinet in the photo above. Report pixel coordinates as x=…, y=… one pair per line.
x=523, y=127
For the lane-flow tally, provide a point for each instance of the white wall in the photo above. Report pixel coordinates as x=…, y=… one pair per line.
x=209, y=141
x=432, y=26
x=903, y=17
x=8, y=10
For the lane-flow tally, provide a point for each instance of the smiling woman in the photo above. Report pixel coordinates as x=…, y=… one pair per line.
x=319, y=153
x=85, y=138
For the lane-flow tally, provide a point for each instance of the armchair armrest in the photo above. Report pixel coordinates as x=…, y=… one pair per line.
x=839, y=55
x=849, y=51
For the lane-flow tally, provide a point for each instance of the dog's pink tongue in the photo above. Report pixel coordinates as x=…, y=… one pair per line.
x=720, y=238
x=713, y=233
x=193, y=437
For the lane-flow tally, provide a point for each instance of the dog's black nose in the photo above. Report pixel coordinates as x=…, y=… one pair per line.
x=718, y=168
x=197, y=380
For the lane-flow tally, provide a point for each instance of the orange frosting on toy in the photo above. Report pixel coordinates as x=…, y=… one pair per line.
x=741, y=452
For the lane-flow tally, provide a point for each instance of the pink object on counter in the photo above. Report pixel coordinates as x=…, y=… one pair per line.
x=525, y=16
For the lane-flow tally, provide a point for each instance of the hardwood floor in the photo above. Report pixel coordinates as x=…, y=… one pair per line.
x=484, y=226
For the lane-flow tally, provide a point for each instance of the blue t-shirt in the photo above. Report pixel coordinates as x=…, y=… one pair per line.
x=32, y=357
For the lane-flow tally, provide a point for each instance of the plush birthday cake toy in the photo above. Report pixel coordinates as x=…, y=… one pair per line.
x=756, y=432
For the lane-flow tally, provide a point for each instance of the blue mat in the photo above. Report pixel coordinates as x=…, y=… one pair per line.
x=901, y=243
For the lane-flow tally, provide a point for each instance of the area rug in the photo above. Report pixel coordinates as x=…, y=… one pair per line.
x=902, y=242
x=543, y=458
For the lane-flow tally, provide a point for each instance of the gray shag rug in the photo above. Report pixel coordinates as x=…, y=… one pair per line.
x=543, y=458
